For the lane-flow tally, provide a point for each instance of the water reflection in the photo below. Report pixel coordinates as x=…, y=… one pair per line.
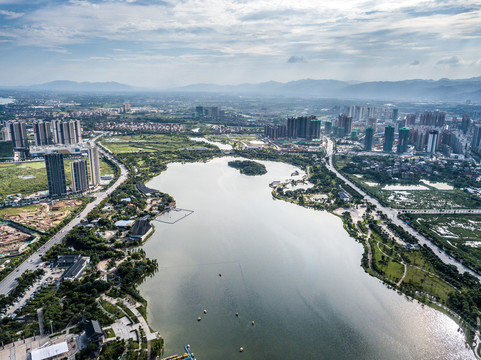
x=293, y=271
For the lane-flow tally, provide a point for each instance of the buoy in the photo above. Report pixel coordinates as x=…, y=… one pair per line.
x=241, y=349
x=199, y=318
x=253, y=323
x=205, y=311
x=237, y=314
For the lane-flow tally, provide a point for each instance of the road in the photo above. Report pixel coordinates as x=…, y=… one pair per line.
x=392, y=214
x=440, y=211
x=34, y=260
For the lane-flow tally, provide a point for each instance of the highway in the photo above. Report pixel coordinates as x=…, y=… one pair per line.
x=34, y=261
x=392, y=214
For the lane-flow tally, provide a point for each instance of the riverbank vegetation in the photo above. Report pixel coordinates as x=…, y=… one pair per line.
x=248, y=167
x=417, y=272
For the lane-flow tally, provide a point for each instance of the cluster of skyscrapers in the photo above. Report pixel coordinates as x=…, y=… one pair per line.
x=65, y=132
x=57, y=186
x=304, y=127
x=212, y=112
x=425, y=132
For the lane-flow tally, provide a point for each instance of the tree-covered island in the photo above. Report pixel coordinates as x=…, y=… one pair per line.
x=248, y=167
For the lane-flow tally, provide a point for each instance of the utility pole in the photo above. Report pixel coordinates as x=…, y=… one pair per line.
x=51, y=328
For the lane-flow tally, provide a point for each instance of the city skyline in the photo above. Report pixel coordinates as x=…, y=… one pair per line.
x=171, y=43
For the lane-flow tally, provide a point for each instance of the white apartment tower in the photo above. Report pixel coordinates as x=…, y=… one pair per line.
x=94, y=165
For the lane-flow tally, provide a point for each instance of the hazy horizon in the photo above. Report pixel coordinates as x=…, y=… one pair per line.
x=164, y=44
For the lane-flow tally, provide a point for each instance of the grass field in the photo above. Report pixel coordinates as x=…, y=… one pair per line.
x=148, y=143
x=11, y=184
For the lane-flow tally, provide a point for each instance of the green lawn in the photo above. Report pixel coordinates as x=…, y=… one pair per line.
x=10, y=183
x=428, y=283
x=109, y=333
x=112, y=309
x=149, y=143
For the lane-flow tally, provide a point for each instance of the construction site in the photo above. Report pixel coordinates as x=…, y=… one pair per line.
x=42, y=216
x=12, y=241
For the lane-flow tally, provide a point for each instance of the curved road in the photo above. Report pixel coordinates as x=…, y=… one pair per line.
x=392, y=214
x=34, y=260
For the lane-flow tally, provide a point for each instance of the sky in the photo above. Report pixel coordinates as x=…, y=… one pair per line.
x=170, y=43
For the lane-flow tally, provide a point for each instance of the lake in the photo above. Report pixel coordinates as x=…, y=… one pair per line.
x=295, y=272
x=5, y=101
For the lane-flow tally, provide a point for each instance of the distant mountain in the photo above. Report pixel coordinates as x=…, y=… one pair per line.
x=417, y=89
x=294, y=88
x=65, y=85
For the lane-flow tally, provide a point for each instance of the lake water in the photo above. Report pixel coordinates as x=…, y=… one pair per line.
x=294, y=271
x=4, y=101
x=404, y=187
x=216, y=143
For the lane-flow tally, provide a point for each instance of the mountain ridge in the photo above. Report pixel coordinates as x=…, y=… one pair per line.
x=405, y=90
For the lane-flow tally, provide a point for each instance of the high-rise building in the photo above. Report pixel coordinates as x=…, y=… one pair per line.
x=345, y=122
x=306, y=127
x=315, y=129
x=395, y=114
x=6, y=132
x=328, y=126
x=440, y=118
x=465, y=122
x=66, y=132
x=433, y=136
x=372, y=123
x=57, y=185
x=213, y=112
x=42, y=133
x=403, y=140
x=476, y=141
x=410, y=119
x=275, y=132
x=94, y=165
x=371, y=112
x=199, y=111
x=18, y=134
x=368, y=139
x=78, y=169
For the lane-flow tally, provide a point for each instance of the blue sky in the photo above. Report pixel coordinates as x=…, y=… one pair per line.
x=177, y=42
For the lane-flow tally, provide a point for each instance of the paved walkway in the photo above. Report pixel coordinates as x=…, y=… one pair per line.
x=122, y=328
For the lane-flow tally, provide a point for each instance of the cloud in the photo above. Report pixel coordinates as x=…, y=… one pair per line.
x=296, y=59
x=450, y=61
x=358, y=36
x=11, y=14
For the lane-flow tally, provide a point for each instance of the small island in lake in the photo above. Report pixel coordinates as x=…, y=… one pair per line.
x=248, y=167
